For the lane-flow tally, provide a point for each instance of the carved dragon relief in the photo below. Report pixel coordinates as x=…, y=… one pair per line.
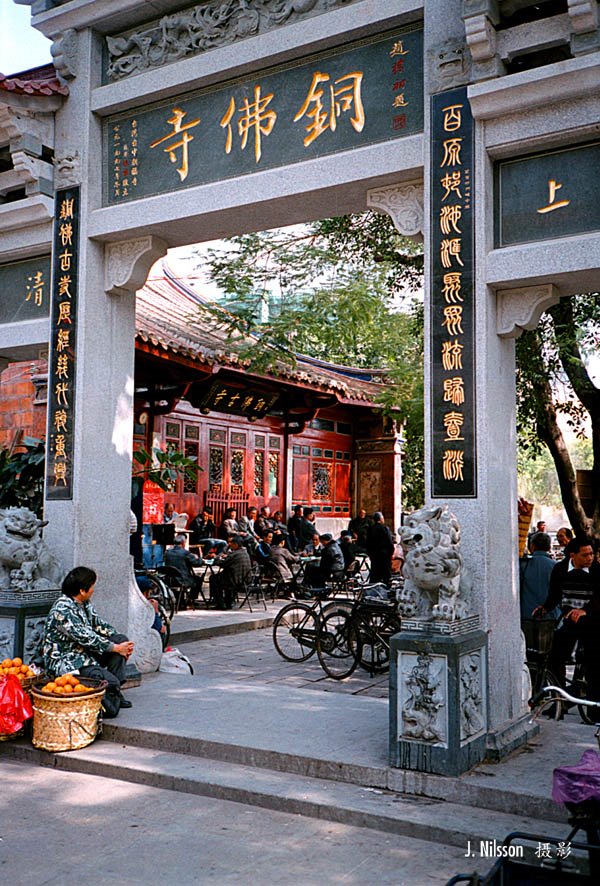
x=201, y=28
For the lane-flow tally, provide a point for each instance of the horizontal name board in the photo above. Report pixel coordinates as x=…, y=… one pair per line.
x=370, y=93
x=25, y=290
x=547, y=195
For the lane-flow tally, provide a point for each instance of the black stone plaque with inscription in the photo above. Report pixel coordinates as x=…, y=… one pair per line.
x=62, y=355
x=453, y=443
x=371, y=92
x=25, y=290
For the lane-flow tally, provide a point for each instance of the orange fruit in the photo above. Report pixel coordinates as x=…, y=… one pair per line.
x=60, y=681
x=79, y=687
x=68, y=688
x=24, y=669
x=7, y=663
x=46, y=689
x=17, y=662
x=50, y=686
x=73, y=680
x=14, y=670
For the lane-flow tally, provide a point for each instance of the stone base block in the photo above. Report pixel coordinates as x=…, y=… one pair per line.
x=509, y=737
x=438, y=705
x=22, y=620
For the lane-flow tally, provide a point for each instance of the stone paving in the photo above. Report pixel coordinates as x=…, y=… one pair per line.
x=251, y=657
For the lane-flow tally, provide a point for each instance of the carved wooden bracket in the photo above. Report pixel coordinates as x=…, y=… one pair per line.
x=404, y=204
x=520, y=309
x=126, y=264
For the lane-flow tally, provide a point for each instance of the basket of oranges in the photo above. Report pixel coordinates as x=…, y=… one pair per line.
x=25, y=674
x=66, y=712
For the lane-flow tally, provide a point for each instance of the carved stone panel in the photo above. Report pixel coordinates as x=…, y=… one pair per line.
x=34, y=632
x=519, y=309
x=472, y=682
x=423, y=698
x=403, y=203
x=7, y=637
x=127, y=263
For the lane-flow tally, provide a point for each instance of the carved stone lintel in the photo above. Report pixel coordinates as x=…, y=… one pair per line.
x=200, y=28
x=519, y=309
x=126, y=264
x=481, y=37
x=404, y=203
x=65, y=54
x=148, y=646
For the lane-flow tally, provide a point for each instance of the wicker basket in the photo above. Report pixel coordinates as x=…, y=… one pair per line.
x=65, y=724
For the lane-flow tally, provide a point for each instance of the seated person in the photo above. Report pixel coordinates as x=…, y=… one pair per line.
x=265, y=521
x=262, y=553
x=170, y=513
x=348, y=547
x=248, y=527
x=146, y=587
x=280, y=526
x=283, y=559
x=293, y=528
x=234, y=576
x=77, y=639
x=184, y=561
x=230, y=525
x=306, y=528
x=359, y=526
x=204, y=533
x=315, y=547
x=330, y=567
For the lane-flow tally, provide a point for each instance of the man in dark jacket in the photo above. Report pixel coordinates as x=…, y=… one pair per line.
x=359, y=526
x=575, y=587
x=234, y=576
x=184, y=562
x=293, y=528
x=380, y=547
x=204, y=533
x=331, y=565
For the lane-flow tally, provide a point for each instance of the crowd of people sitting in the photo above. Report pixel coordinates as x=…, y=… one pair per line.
x=266, y=540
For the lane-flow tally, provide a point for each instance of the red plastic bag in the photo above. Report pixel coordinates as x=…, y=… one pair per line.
x=15, y=705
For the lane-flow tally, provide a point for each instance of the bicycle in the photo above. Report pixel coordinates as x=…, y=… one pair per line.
x=359, y=637
x=539, y=634
x=296, y=627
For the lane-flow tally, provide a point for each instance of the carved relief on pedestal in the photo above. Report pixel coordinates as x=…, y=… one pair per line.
x=471, y=688
x=403, y=203
x=423, y=697
x=519, y=309
x=127, y=263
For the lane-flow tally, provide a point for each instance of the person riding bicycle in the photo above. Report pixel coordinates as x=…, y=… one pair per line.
x=575, y=587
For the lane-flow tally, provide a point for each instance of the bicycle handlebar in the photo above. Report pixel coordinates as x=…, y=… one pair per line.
x=533, y=702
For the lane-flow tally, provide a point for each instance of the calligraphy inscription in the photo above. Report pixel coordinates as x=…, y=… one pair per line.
x=369, y=93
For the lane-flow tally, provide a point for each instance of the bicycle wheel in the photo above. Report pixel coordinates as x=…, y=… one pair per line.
x=578, y=688
x=334, y=647
x=374, y=630
x=162, y=593
x=295, y=632
x=558, y=708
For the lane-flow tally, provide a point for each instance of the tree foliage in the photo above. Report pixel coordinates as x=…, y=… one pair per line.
x=554, y=387
x=342, y=290
x=163, y=467
x=22, y=476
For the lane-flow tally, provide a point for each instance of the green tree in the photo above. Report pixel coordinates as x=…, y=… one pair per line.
x=553, y=381
x=345, y=292
x=22, y=476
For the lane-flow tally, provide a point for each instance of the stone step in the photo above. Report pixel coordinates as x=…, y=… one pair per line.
x=474, y=791
x=434, y=820
x=190, y=626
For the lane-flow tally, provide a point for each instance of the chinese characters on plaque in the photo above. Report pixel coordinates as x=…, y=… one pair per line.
x=237, y=401
x=452, y=298
x=547, y=195
x=25, y=288
x=61, y=358
x=369, y=93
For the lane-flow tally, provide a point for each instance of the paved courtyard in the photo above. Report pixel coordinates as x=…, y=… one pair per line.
x=252, y=657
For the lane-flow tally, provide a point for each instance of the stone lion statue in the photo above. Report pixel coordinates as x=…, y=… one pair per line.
x=435, y=584
x=26, y=563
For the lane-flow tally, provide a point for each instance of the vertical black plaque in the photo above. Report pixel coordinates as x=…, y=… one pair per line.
x=453, y=448
x=62, y=356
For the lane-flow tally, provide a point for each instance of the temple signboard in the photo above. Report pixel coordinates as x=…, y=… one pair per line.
x=547, y=195
x=453, y=447
x=25, y=290
x=345, y=99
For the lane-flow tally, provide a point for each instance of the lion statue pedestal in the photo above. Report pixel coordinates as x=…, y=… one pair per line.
x=438, y=673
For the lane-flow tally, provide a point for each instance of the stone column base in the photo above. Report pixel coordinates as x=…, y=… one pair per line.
x=510, y=736
x=438, y=709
